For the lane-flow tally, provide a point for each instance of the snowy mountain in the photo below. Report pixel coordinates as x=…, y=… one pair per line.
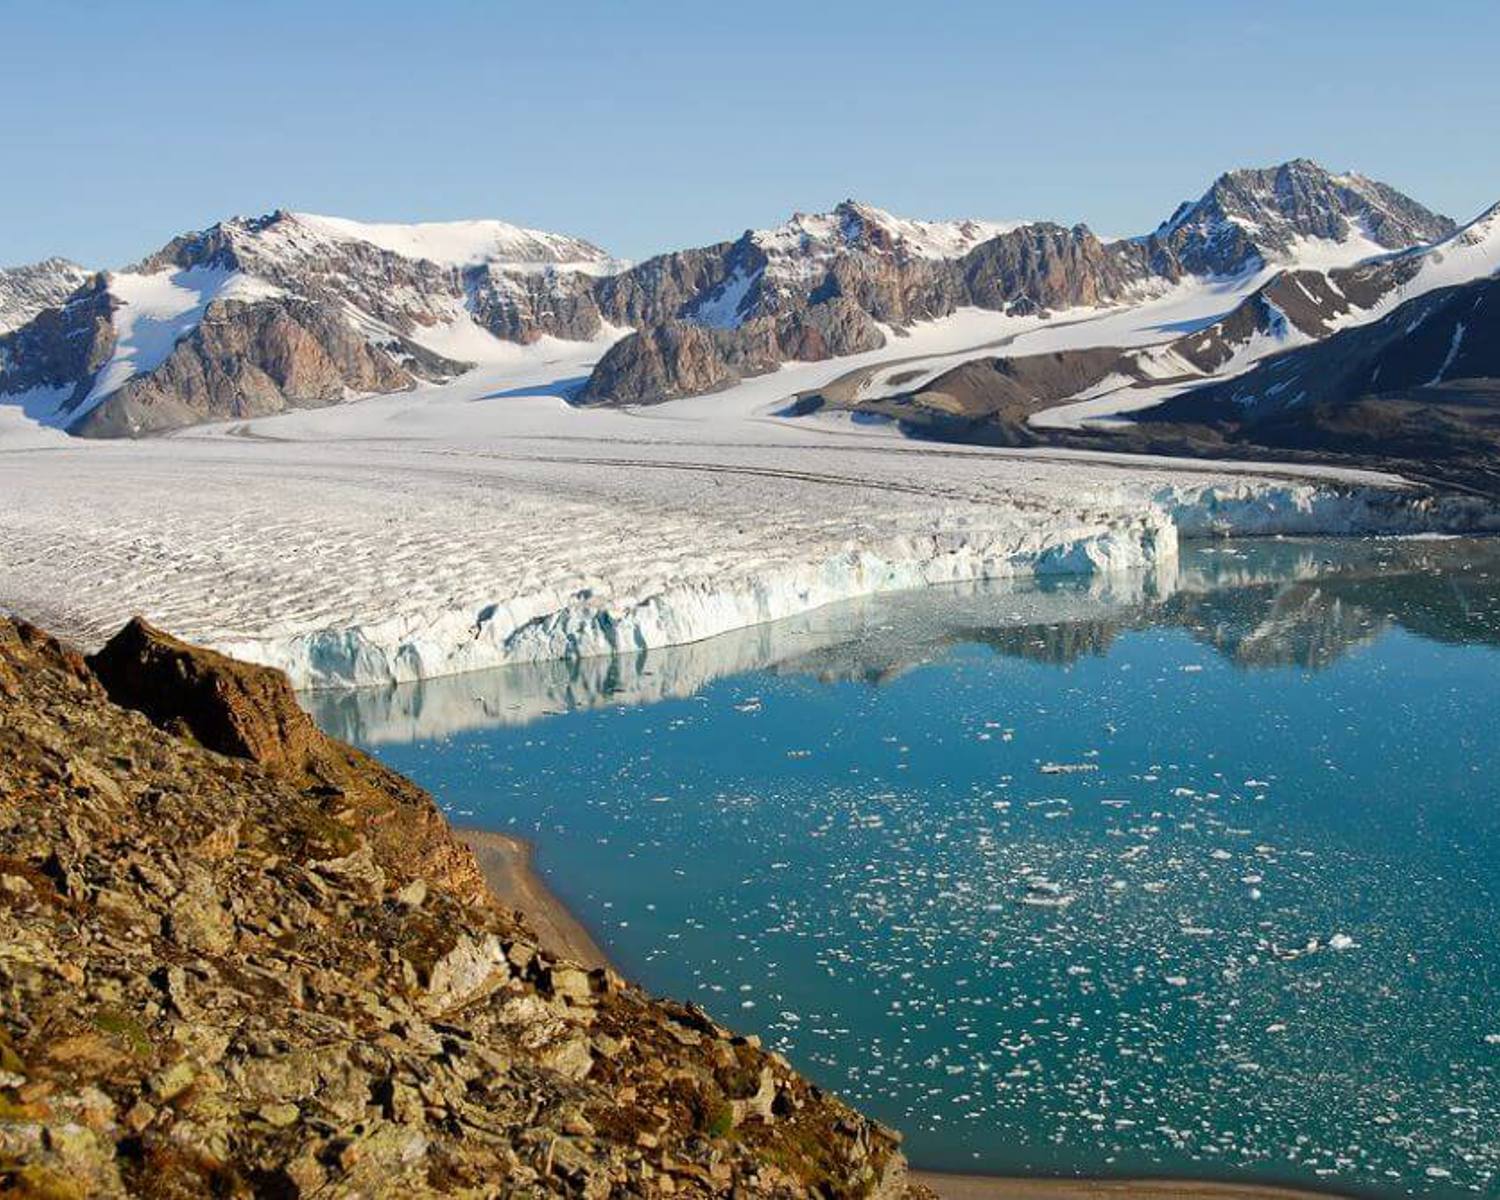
x=255, y=315
x=1297, y=212
x=1307, y=304
x=1420, y=384
x=26, y=291
x=830, y=284
x=1393, y=359
x=824, y=285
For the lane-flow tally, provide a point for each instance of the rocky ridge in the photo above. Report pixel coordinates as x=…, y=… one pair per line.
x=813, y=299
x=295, y=310
x=238, y=958
x=292, y=310
x=1421, y=383
x=883, y=274
x=1294, y=309
x=28, y=290
x=1257, y=215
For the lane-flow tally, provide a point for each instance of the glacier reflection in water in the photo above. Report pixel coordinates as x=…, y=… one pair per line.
x=1194, y=873
x=1273, y=603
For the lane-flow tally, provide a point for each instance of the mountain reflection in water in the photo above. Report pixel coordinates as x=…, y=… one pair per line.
x=1259, y=604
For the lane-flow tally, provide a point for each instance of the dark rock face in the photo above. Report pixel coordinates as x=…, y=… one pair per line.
x=666, y=287
x=247, y=360
x=229, y=707
x=671, y=359
x=524, y=307
x=1043, y=267
x=340, y=313
x=1248, y=216
x=61, y=347
x=273, y=971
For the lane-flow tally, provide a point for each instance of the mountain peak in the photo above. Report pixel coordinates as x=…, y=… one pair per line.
x=464, y=243
x=26, y=290
x=284, y=236
x=857, y=225
x=1258, y=215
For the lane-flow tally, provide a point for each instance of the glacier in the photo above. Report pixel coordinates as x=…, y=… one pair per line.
x=591, y=624
x=459, y=527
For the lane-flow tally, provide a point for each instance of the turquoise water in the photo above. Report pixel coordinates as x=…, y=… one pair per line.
x=1195, y=873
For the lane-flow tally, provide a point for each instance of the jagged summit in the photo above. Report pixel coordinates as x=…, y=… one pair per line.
x=253, y=315
x=857, y=226
x=256, y=314
x=1289, y=212
x=27, y=290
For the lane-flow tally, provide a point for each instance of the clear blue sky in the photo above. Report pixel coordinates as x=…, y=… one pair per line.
x=652, y=125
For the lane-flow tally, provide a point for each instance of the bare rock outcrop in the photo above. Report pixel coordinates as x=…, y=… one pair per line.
x=252, y=360
x=266, y=969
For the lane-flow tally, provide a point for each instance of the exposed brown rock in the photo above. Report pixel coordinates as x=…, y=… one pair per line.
x=673, y=359
x=234, y=708
x=225, y=975
x=251, y=360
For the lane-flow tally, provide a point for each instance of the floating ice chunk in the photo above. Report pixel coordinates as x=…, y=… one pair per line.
x=1177, y=980
x=1052, y=768
x=1341, y=941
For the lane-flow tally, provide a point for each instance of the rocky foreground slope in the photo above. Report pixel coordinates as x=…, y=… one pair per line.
x=239, y=958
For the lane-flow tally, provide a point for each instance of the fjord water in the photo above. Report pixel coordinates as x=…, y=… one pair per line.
x=1191, y=873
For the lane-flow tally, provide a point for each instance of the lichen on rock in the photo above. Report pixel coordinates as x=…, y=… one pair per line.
x=239, y=958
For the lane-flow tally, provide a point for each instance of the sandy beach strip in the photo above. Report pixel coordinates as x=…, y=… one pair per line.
x=507, y=866
x=996, y=1187
x=506, y=863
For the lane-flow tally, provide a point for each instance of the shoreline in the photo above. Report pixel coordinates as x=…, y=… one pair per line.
x=507, y=864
